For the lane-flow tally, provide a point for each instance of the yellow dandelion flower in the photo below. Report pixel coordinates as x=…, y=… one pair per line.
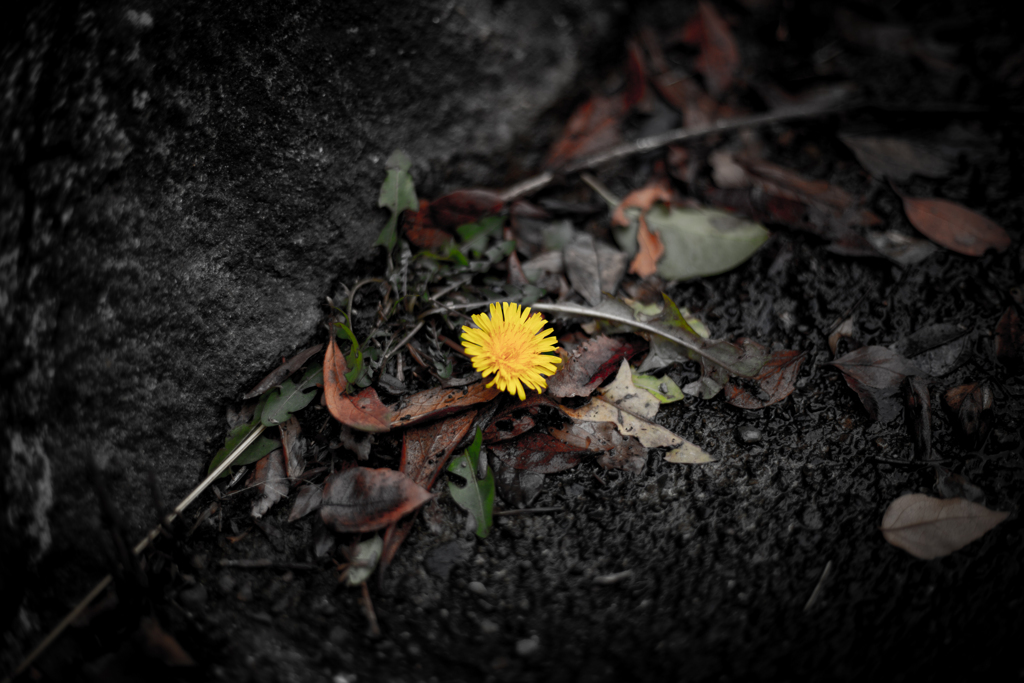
x=511, y=344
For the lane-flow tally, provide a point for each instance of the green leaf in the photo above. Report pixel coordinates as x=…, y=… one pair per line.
x=292, y=397
x=476, y=235
x=477, y=496
x=396, y=194
x=664, y=388
x=354, y=358
x=257, y=450
x=702, y=242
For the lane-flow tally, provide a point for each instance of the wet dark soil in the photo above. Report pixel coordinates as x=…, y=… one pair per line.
x=680, y=572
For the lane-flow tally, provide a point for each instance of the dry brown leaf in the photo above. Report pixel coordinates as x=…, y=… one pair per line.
x=362, y=499
x=928, y=527
x=294, y=447
x=364, y=412
x=435, y=403
x=642, y=199
x=307, y=500
x=281, y=373
x=575, y=376
x=269, y=476
x=955, y=227
x=719, y=54
x=649, y=252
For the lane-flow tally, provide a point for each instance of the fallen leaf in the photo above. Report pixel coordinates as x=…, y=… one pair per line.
x=477, y=495
x=518, y=488
x=308, y=499
x=875, y=373
x=363, y=561
x=688, y=454
x=1009, y=338
x=294, y=447
x=418, y=227
x=465, y=206
x=361, y=499
x=628, y=455
x=575, y=377
x=291, y=397
x=636, y=76
x=642, y=201
x=684, y=93
x=955, y=227
x=364, y=412
x=271, y=482
x=719, y=57
x=161, y=646
x=518, y=418
x=929, y=528
x=594, y=126
x=777, y=380
x=972, y=405
x=582, y=267
x=397, y=194
x=631, y=409
x=703, y=242
x=538, y=452
x=434, y=403
x=918, y=415
x=951, y=485
x=662, y=388
x=425, y=452
x=649, y=251
x=283, y=371
x=896, y=158
x=787, y=183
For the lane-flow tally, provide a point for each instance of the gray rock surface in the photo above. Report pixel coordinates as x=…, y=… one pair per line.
x=181, y=184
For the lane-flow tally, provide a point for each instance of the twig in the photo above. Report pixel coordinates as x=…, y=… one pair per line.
x=371, y=615
x=405, y=340
x=528, y=511
x=265, y=564
x=139, y=547
x=817, y=589
x=640, y=145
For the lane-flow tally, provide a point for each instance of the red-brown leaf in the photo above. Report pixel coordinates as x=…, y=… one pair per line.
x=955, y=227
x=364, y=412
x=777, y=380
x=361, y=499
x=719, y=54
x=875, y=373
x=518, y=418
x=334, y=378
x=294, y=447
x=575, y=377
x=272, y=484
x=465, y=206
x=642, y=199
x=307, y=500
x=636, y=76
x=592, y=127
x=435, y=403
x=538, y=452
x=420, y=230
x=280, y=373
x=649, y=252
x=425, y=451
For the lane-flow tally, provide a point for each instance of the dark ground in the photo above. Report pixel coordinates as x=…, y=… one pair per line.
x=180, y=193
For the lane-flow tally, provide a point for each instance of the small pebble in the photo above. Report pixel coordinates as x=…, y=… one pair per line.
x=193, y=598
x=749, y=434
x=477, y=587
x=226, y=582
x=488, y=627
x=528, y=646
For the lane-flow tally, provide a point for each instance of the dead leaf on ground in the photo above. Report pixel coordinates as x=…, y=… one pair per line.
x=420, y=230
x=435, y=403
x=271, y=482
x=306, y=500
x=594, y=126
x=955, y=227
x=294, y=447
x=719, y=57
x=582, y=267
x=777, y=380
x=972, y=405
x=279, y=374
x=918, y=415
x=425, y=452
x=929, y=528
x=575, y=377
x=952, y=485
x=362, y=499
x=518, y=418
x=875, y=373
x=538, y=452
x=649, y=251
x=1009, y=338
x=896, y=158
x=465, y=206
x=364, y=412
x=161, y=645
